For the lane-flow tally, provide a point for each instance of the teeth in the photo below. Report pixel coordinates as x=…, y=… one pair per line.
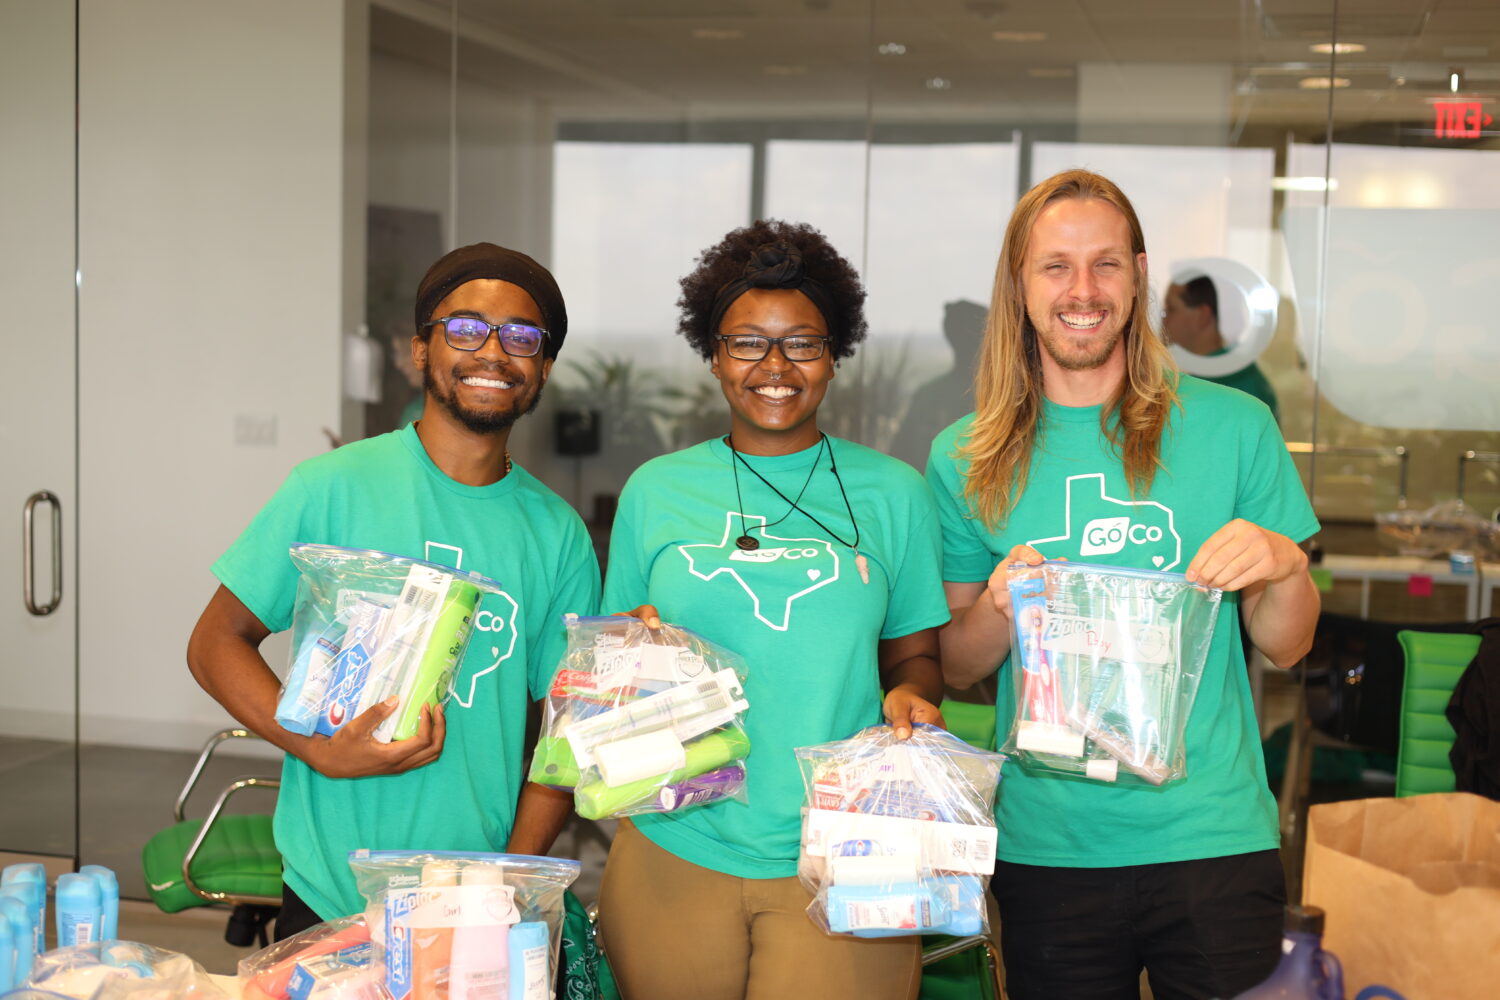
x=775, y=391
x=1081, y=321
x=487, y=383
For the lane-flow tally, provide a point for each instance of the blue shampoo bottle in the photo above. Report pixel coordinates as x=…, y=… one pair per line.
x=78, y=909
x=109, y=899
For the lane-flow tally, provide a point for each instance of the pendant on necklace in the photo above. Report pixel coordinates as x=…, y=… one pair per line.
x=863, y=565
x=746, y=543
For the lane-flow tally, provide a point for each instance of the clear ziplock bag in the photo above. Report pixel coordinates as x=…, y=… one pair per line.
x=1106, y=664
x=329, y=961
x=449, y=925
x=641, y=720
x=117, y=970
x=368, y=625
x=899, y=835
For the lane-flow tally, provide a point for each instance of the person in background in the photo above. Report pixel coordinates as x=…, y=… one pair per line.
x=1086, y=444
x=1191, y=321
x=489, y=324
x=817, y=560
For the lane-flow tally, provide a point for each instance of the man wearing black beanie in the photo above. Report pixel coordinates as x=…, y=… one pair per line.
x=489, y=323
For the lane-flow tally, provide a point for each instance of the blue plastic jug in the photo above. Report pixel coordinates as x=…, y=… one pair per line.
x=1306, y=971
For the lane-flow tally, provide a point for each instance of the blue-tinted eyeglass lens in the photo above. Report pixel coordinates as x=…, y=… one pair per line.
x=520, y=340
x=465, y=331
x=468, y=333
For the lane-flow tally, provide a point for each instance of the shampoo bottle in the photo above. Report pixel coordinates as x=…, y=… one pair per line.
x=530, y=974
x=481, y=949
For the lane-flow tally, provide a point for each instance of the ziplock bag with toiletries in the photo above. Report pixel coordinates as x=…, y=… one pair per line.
x=368, y=625
x=1106, y=664
x=328, y=961
x=642, y=720
x=898, y=836
x=450, y=925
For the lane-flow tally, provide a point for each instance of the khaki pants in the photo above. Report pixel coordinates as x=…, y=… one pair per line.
x=675, y=931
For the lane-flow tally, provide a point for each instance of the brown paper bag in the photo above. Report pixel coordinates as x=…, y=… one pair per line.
x=1412, y=891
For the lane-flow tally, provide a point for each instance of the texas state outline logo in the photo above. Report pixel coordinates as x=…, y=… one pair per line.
x=1106, y=526
x=813, y=562
x=497, y=629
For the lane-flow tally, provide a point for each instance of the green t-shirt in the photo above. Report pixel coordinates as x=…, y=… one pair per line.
x=1248, y=379
x=796, y=609
x=1223, y=458
x=385, y=493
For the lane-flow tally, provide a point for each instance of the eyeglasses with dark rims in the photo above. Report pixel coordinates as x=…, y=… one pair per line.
x=469, y=333
x=748, y=347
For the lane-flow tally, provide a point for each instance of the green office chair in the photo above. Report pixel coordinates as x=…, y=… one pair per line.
x=225, y=859
x=1434, y=663
x=963, y=968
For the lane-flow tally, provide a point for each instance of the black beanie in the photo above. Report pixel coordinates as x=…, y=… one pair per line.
x=486, y=260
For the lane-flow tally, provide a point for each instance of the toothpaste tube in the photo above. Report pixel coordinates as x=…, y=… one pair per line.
x=351, y=667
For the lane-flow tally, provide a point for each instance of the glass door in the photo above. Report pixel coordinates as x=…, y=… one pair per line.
x=38, y=434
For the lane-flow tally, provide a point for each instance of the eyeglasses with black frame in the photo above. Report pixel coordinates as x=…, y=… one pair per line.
x=469, y=333
x=748, y=347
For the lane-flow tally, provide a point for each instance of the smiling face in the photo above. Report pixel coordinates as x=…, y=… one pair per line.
x=1079, y=278
x=773, y=402
x=485, y=390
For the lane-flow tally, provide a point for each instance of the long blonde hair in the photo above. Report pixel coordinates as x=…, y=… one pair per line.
x=1008, y=381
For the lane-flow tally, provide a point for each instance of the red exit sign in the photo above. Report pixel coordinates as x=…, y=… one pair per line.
x=1459, y=119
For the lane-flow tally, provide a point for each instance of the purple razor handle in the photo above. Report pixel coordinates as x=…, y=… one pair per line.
x=716, y=784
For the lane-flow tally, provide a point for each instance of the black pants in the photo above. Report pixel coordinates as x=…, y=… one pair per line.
x=1200, y=929
x=296, y=916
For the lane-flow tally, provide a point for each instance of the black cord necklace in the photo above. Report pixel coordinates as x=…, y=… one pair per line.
x=749, y=544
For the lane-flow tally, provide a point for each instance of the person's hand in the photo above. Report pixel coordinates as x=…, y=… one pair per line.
x=353, y=751
x=904, y=708
x=647, y=613
x=998, y=585
x=1241, y=554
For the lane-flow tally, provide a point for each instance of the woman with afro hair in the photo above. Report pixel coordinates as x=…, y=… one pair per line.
x=818, y=561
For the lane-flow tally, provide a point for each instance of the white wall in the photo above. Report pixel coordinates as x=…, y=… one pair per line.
x=36, y=299
x=213, y=253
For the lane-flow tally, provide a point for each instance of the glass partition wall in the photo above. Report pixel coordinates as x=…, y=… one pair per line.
x=293, y=191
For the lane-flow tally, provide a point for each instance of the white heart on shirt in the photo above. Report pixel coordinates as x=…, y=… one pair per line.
x=813, y=574
x=1158, y=560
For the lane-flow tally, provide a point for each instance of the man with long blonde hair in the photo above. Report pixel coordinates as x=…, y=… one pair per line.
x=1087, y=445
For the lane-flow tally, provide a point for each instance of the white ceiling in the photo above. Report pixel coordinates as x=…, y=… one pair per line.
x=727, y=60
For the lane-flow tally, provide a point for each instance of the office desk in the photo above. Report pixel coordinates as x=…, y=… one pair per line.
x=1479, y=586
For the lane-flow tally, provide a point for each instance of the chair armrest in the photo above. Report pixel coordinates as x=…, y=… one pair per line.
x=238, y=785
x=179, y=809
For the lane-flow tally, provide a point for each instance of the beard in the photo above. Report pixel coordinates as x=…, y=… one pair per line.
x=486, y=421
x=1072, y=356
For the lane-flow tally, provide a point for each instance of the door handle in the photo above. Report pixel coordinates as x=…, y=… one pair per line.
x=28, y=553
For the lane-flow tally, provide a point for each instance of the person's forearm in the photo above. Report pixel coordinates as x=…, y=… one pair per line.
x=974, y=643
x=1283, y=619
x=919, y=674
x=235, y=675
x=540, y=816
